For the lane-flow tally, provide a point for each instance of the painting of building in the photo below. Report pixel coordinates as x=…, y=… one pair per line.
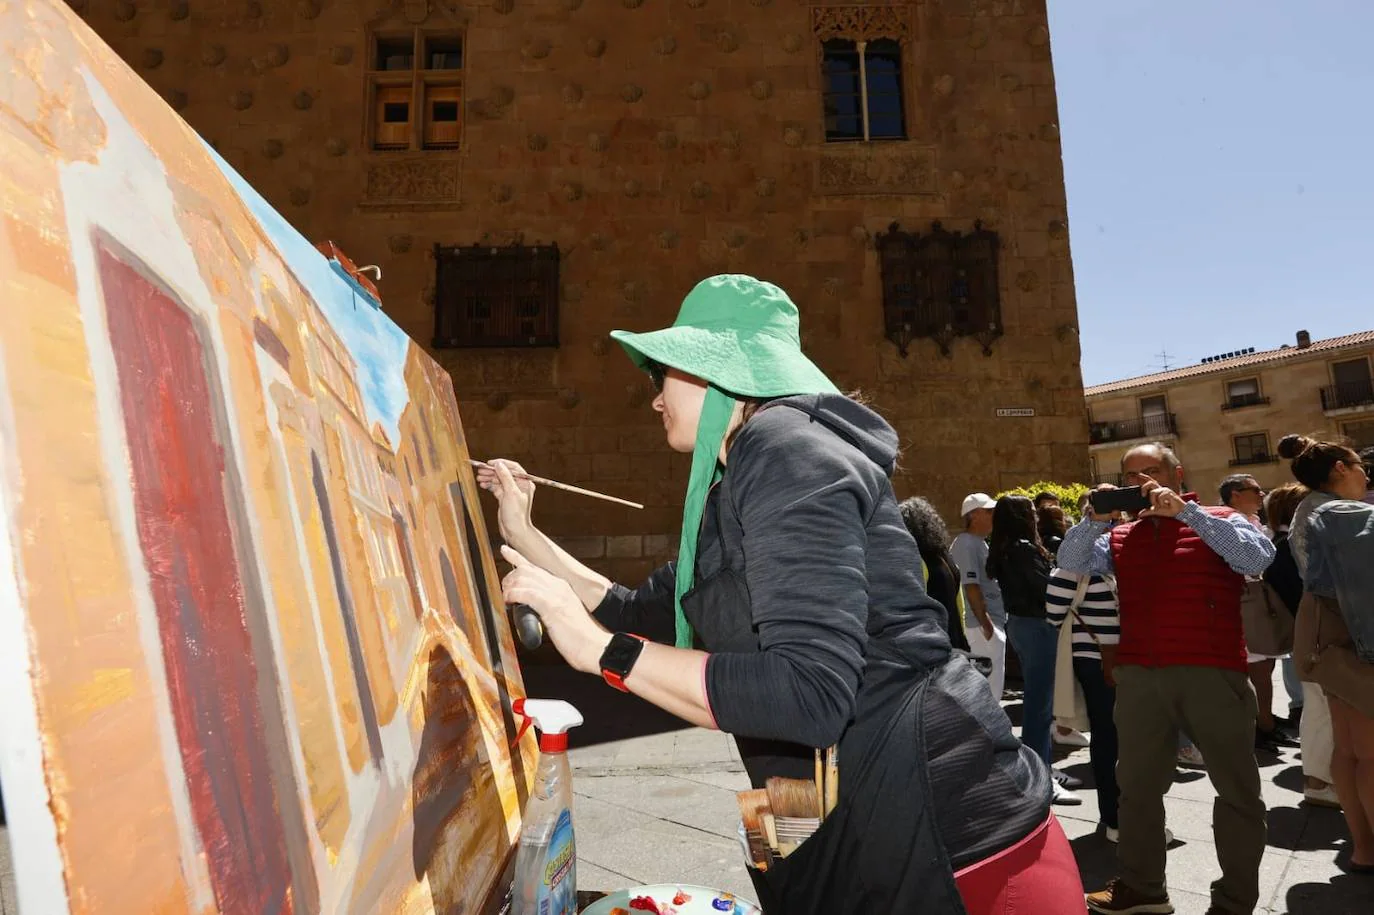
x=254, y=654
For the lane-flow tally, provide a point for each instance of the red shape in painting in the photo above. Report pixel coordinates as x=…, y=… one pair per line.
x=188, y=545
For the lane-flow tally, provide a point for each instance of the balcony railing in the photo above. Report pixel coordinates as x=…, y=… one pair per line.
x=1245, y=400
x=1155, y=425
x=1350, y=394
x=1251, y=460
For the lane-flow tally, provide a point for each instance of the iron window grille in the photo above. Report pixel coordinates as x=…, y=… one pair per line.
x=487, y=296
x=940, y=285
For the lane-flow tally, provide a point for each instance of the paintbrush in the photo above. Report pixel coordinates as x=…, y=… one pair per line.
x=554, y=484
x=796, y=811
x=792, y=798
x=832, y=779
x=752, y=806
x=820, y=783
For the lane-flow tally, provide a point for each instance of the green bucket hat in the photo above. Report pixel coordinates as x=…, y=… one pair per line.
x=742, y=336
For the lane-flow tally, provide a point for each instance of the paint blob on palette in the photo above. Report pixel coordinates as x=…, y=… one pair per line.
x=672, y=899
x=251, y=640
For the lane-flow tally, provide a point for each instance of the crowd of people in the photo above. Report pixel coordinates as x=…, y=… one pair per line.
x=1160, y=630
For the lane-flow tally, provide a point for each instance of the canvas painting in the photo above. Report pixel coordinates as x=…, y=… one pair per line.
x=252, y=648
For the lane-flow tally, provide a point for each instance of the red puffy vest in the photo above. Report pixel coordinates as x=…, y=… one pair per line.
x=1179, y=600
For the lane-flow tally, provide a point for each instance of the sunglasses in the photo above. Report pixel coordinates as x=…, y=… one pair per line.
x=656, y=375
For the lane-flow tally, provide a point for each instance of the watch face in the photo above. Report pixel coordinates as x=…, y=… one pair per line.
x=621, y=653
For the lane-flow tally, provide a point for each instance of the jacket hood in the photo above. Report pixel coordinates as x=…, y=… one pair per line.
x=853, y=422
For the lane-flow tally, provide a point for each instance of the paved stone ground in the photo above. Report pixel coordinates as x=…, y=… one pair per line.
x=659, y=807
x=9, y=905
x=656, y=803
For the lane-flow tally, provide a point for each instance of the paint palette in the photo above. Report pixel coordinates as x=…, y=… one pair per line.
x=672, y=899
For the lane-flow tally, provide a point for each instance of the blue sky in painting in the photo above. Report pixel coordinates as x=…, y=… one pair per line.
x=377, y=344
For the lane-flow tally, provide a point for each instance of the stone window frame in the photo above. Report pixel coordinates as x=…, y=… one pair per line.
x=862, y=24
x=420, y=80
x=1352, y=431
x=1234, y=401
x=1140, y=405
x=1262, y=455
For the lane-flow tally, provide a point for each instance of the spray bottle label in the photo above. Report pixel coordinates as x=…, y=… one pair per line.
x=557, y=892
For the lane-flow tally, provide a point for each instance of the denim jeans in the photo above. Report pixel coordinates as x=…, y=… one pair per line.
x=1292, y=685
x=1036, y=644
x=1100, y=698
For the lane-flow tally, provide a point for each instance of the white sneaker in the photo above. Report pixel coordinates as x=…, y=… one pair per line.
x=1074, y=738
x=1064, y=796
x=1322, y=797
x=1114, y=835
x=1190, y=757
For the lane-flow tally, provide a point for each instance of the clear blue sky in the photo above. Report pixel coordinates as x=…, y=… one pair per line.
x=1219, y=157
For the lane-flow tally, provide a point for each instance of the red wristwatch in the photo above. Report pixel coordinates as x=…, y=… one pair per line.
x=620, y=657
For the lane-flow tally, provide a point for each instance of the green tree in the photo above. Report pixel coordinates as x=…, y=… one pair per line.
x=1068, y=494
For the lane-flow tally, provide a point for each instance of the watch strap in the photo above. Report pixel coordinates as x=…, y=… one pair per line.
x=619, y=658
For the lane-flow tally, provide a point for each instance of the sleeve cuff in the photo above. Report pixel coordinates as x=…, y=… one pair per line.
x=706, y=692
x=1191, y=510
x=609, y=612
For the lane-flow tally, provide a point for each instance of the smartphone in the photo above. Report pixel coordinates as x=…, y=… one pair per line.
x=1125, y=499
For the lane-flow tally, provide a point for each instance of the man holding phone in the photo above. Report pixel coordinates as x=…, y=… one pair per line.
x=1180, y=570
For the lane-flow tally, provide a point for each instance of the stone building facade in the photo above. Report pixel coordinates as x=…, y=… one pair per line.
x=1227, y=414
x=656, y=142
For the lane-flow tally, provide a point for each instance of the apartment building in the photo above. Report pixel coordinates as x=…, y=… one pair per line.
x=1226, y=414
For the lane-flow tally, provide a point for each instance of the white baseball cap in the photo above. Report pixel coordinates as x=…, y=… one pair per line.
x=976, y=501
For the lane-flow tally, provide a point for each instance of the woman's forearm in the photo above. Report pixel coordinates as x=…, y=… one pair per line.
x=589, y=586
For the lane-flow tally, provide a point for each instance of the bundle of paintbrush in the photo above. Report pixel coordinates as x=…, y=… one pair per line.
x=779, y=817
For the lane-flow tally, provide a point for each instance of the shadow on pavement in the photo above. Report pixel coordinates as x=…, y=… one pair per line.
x=1342, y=895
x=1290, y=779
x=1096, y=860
x=1306, y=829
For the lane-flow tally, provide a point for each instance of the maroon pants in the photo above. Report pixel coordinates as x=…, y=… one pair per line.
x=1036, y=876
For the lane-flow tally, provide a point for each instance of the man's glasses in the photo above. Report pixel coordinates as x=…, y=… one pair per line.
x=656, y=374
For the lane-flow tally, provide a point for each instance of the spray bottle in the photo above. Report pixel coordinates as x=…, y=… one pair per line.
x=546, y=861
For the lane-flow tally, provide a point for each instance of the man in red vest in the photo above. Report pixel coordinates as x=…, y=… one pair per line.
x=1180, y=569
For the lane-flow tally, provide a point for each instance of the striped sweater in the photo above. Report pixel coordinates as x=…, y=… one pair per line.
x=1097, y=611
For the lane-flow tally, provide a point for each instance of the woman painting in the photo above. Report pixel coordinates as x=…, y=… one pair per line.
x=795, y=619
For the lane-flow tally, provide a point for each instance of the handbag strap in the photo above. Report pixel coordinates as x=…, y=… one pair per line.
x=1078, y=596
x=1080, y=592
